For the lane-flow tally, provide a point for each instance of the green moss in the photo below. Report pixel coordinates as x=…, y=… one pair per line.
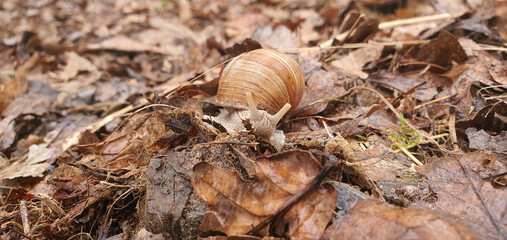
x=405, y=136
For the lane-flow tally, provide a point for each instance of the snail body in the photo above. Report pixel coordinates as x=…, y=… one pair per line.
x=262, y=86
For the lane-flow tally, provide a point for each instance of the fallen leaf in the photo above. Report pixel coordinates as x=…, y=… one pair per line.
x=237, y=205
x=442, y=50
x=125, y=44
x=480, y=139
x=279, y=38
x=492, y=117
x=372, y=219
x=305, y=222
x=34, y=165
x=460, y=179
x=352, y=63
x=319, y=92
x=75, y=64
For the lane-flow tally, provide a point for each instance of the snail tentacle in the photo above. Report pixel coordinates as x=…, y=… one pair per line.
x=255, y=115
x=279, y=115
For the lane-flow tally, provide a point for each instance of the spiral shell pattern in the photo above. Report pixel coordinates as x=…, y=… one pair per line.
x=274, y=79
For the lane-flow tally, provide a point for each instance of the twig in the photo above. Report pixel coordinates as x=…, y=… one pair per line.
x=452, y=129
x=51, y=203
x=327, y=129
x=24, y=217
x=414, y=159
x=229, y=142
x=80, y=236
x=343, y=36
x=487, y=47
x=355, y=45
x=424, y=141
x=432, y=101
x=417, y=20
x=74, y=138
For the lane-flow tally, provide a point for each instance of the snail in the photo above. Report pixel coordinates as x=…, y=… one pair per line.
x=262, y=86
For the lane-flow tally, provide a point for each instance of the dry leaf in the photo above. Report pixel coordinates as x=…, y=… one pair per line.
x=238, y=205
x=352, y=63
x=462, y=179
x=75, y=64
x=371, y=219
x=34, y=165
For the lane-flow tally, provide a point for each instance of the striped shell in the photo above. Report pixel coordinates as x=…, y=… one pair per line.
x=274, y=79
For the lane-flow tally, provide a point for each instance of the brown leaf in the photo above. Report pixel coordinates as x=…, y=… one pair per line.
x=352, y=63
x=442, y=51
x=319, y=91
x=490, y=118
x=167, y=193
x=244, y=46
x=125, y=44
x=289, y=170
x=309, y=218
x=75, y=64
x=483, y=141
x=371, y=219
x=460, y=179
x=237, y=205
x=35, y=164
x=280, y=37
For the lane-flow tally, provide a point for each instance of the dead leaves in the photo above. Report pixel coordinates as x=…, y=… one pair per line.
x=442, y=51
x=78, y=69
x=371, y=219
x=75, y=64
x=463, y=179
x=238, y=205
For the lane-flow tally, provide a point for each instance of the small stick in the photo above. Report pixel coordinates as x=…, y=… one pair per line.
x=51, y=203
x=24, y=217
x=452, y=129
x=414, y=159
x=417, y=20
x=327, y=129
x=227, y=142
x=432, y=101
x=423, y=141
x=398, y=115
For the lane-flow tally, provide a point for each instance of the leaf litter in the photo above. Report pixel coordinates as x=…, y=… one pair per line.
x=105, y=130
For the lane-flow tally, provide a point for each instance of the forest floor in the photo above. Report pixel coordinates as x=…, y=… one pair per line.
x=109, y=127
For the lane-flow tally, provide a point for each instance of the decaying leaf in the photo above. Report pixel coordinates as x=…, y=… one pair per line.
x=36, y=162
x=442, y=51
x=101, y=106
x=238, y=205
x=75, y=64
x=463, y=179
x=480, y=139
x=371, y=219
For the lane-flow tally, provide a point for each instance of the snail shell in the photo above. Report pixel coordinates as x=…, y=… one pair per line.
x=274, y=79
